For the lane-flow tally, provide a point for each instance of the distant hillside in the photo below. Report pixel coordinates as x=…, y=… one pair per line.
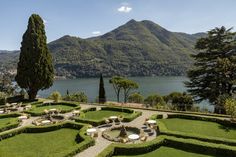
x=133, y=49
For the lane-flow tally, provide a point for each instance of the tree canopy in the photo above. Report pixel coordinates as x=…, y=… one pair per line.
x=214, y=68
x=121, y=83
x=35, y=70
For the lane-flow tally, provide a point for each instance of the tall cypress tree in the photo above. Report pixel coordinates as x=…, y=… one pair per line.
x=102, y=93
x=213, y=75
x=35, y=69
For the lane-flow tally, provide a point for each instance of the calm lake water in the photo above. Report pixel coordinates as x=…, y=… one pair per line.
x=162, y=85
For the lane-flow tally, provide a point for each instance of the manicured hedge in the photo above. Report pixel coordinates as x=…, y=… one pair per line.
x=12, y=125
x=87, y=141
x=165, y=131
x=132, y=116
x=174, y=111
x=178, y=143
x=203, y=118
x=71, y=104
x=126, y=110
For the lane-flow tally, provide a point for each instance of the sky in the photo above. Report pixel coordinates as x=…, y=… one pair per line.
x=87, y=18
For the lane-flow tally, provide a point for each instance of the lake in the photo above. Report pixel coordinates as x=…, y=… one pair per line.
x=162, y=85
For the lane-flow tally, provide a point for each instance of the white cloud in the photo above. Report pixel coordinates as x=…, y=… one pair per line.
x=96, y=32
x=124, y=9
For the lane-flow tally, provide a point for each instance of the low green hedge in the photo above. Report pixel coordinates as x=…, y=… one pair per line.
x=87, y=141
x=126, y=110
x=203, y=118
x=178, y=143
x=165, y=131
x=12, y=125
x=71, y=104
x=132, y=116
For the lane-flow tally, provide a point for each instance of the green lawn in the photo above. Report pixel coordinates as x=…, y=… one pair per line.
x=101, y=114
x=199, y=127
x=7, y=121
x=54, y=144
x=168, y=152
x=42, y=108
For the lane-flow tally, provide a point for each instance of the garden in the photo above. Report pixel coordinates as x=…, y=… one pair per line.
x=97, y=117
x=61, y=107
x=66, y=139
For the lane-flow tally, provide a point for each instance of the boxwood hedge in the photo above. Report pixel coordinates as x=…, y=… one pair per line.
x=165, y=131
x=72, y=104
x=11, y=125
x=132, y=116
x=178, y=143
x=87, y=141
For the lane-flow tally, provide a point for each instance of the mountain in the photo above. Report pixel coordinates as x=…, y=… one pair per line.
x=134, y=49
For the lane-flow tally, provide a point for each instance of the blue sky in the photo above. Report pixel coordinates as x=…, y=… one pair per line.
x=86, y=18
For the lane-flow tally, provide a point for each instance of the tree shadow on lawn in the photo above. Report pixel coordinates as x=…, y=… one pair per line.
x=227, y=128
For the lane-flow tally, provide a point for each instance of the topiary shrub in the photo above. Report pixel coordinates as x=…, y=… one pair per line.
x=56, y=96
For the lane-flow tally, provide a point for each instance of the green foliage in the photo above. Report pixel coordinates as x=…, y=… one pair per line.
x=181, y=101
x=102, y=93
x=56, y=96
x=214, y=68
x=6, y=84
x=63, y=107
x=154, y=100
x=79, y=141
x=95, y=118
x=3, y=97
x=79, y=97
x=127, y=85
x=121, y=83
x=230, y=107
x=189, y=145
x=115, y=81
x=136, y=98
x=35, y=69
x=134, y=49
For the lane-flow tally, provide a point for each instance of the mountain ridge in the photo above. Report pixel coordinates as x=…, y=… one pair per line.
x=137, y=48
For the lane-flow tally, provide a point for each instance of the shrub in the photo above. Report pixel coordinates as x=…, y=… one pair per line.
x=181, y=101
x=3, y=97
x=79, y=97
x=56, y=96
x=154, y=100
x=230, y=107
x=136, y=98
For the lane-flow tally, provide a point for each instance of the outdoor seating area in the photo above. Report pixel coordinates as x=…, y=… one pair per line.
x=14, y=107
x=110, y=125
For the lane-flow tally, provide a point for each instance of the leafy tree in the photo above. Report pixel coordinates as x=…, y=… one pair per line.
x=35, y=69
x=181, y=101
x=230, y=107
x=115, y=81
x=154, y=100
x=56, y=96
x=127, y=85
x=102, y=93
x=6, y=85
x=214, y=70
x=3, y=97
x=136, y=98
